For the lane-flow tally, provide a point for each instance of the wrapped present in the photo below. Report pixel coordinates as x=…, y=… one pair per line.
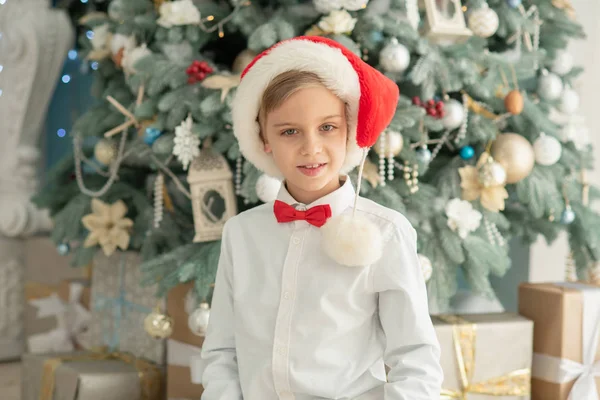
x=566, y=359
x=119, y=305
x=89, y=376
x=485, y=356
x=181, y=346
x=56, y=315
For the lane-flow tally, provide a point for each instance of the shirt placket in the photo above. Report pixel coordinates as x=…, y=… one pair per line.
x=283, y=323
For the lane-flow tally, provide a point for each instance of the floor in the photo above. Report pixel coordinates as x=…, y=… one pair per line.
x=10, y=381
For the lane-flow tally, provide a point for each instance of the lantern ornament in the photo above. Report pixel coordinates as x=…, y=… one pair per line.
x=213, y=197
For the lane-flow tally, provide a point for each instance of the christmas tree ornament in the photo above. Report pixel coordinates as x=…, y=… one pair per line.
x=568, y=215
x=63, y=249
x=242, y=60
x=198, y=319
x=570, y=269
x=426, y=266
x=222, y=82
x=434, y=107
x=355, y=5
x=513, y=102
x=158, y=325
x=454, y=114
x=338, y=22
x=547, y=150
x=151, y=134
x=105, y=151
x=490, y=197
x=187, y=144
x=267, y=188
x=491, y=173
x=445, y=22
x=484, y=21
x=467, y=152
x=493, y=234
x=513, y=3
x=133, y=56
x=515, y=154
x=462, y=217
x=562, y=63
x=423, y=155
x=550, y=86
x=178, y=13
x=388, y=146
x=197, y=71
x=107, y=226
x=569, y=102
x=394, y=57
x=238, y=175
x=159, y=187
x=212, y=193
x=411, y=177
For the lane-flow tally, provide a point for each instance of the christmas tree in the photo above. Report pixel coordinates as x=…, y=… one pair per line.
x=486, y=144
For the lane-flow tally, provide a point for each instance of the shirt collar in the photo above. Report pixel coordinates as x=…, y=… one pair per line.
x=339, y=200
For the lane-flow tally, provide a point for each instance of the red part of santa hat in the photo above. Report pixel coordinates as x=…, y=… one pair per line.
x=371, y=97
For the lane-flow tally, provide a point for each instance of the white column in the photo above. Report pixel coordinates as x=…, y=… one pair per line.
x=33, y=45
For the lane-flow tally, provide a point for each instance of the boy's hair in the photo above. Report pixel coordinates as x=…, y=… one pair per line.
x=281, y=88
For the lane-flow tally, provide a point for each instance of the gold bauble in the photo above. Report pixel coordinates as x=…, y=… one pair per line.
x=105, y=151
x=394, y=142
x=158, y=325
x=515, y=154
x=513, y=102
x=242, y=60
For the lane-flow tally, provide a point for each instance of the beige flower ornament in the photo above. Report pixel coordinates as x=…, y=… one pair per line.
x=108, y=226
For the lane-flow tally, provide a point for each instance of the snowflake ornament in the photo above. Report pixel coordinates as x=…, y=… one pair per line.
x=462, y=217
x=187, y=145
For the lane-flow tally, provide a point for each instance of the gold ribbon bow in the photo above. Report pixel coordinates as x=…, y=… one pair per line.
x=515, y=383
x=149, y=374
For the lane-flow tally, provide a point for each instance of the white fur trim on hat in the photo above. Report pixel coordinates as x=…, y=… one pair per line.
x=327, y=62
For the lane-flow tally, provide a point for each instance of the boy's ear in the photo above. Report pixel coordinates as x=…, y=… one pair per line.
x=266, y=145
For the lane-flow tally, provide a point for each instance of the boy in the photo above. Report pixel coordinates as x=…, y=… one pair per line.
x=290, y=319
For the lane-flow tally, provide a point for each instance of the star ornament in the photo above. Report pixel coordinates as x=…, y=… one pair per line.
x=108, y=226
x=491, y=197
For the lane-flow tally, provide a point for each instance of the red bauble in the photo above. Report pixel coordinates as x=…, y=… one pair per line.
x=431, y=103
x=416, y=101
x=439, y=106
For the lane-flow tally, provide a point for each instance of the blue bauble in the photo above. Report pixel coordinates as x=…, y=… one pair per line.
x=376, y=37
x=63, y=249
x=423, y=155
x=467, y=152
x=514, y=3
x=568, y=216
x=150, y=135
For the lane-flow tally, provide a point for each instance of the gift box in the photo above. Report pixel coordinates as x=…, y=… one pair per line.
x=119, y=305
x=566, y=352
x=182, y=345
x=89, y=376
x=56, y=315
x=485, y=356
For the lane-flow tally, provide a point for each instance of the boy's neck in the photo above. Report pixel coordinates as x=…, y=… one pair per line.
x=308, y=197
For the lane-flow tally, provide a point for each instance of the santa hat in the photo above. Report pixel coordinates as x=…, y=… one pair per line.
x=371, y=98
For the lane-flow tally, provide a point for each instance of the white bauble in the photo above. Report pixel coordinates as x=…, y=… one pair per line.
x=120, y=41
x=133, y=56
x=105, y=151
x=198, y=320
x=267, y=188
x=394, y=57
x=563, y=63
x=327, y=6
x=355, y=5
x=483, y=22
x=426, y=266
x=394, y=142
x=547, y=150
x=454, y=114
x=569, y=103
x=550, y=86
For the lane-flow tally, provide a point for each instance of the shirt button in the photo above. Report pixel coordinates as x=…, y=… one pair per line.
x=281, y=351
x=296, y=241
x=286, y=295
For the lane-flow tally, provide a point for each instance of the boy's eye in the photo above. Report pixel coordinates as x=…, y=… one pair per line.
x=289, y=132
x=328, y=127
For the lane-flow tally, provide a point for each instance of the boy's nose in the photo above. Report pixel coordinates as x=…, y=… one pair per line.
x=312, y=144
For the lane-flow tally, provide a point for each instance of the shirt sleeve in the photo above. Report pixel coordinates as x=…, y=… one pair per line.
x=217, y=365
x=412, y=350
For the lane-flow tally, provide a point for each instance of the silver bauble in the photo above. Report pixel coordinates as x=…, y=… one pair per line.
x=454, y=114
x=394, y=57
x=569, y=102
x=198, y=320
x=563, y=62
x=550, y=86
x=547, y=150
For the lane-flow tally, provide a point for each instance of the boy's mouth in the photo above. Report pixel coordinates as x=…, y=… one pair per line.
x=311, y=169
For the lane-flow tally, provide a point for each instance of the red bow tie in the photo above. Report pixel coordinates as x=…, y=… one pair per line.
x=316, y=215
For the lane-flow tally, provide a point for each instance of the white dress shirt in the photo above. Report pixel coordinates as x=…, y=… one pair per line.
x=287, y=322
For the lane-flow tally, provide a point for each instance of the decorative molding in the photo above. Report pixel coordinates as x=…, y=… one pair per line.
x=33, y=46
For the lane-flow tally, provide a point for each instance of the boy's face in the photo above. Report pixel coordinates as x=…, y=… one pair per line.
x=307, y=136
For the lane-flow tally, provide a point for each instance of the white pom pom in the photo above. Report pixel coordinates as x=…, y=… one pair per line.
x=353, y=241
x=267, y=188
